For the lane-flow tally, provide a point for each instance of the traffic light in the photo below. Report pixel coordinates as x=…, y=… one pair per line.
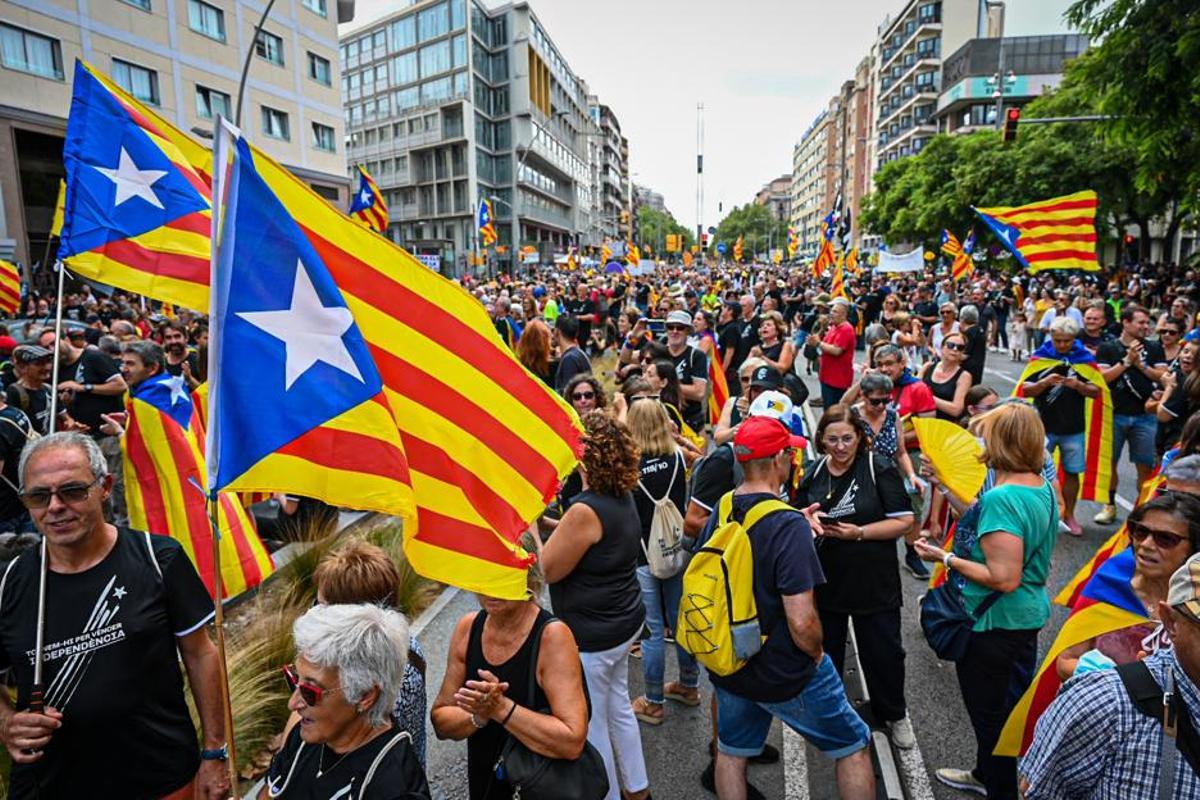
x=704, y=240
x=1011, y=118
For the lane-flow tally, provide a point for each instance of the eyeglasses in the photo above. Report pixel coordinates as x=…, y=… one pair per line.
x=70, y=493
x=954, y=346
x=677, y=328
x=844, y=441
x=1167, y=332
x=633, y=400
x=947, y=311
x=1164, y=540
x=583, y=396
x=878, y=401
x=310, y=693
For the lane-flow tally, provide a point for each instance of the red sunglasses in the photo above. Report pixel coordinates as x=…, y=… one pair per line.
x=310, y=693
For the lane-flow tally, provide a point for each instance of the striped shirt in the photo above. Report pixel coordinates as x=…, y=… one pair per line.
x=1093, y=744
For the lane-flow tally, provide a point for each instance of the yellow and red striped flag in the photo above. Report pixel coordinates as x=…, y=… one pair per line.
x=10, y=287
x=138, y=199
x=950, y=244
x=487, y=226
x=737, y=249
x=964, y=265
x=1059, y=233
x=368, y=206
x=718, y=385
x=165, y=487
x=825, y=257
x=837, y=286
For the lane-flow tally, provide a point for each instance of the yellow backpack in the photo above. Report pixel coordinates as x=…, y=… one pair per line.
x=718, y=617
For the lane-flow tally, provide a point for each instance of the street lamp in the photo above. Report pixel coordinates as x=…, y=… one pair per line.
x=237, y=116
x=1000, y=87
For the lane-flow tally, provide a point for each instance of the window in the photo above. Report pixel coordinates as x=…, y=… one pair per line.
x=404, y=33
x=140, y=82
x=406, y=99
x=144, y=5
x=207, y=20
x=404, y=68
x=30, y=52
x=318, y=7
x=433, y=22
x=435, y=59
x=460, y=84
x=210, y=102
x=270, y=47
x=318, y=69
x=458, y=14
x=459, y=47
x=322, y=137
x=435, y=91
x=275, y=123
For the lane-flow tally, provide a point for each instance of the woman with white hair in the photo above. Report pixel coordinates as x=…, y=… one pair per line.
x=349, y=666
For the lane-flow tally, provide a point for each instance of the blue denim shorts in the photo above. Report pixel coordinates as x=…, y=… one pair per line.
x=820, y=713
x=1071, y=451
x=1139, y=430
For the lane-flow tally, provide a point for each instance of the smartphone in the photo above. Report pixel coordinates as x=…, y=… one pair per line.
x=825, y=519
x=656, y=325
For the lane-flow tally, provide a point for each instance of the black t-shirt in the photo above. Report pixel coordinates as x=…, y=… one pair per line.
x=728, y=339
x=1061, y=409
x=193, y=362
x=690, y=366
x=656, y=481
x=34, y=402
x=926, y=308
x=398, y=775
x=862, y=577
x=15, y=429
x=582, y=311
x=872, y=305
x=976, y=352
x=111, y=668
x=987, y=316
x=747, y=332
x=1131, y=389
x=713, y=477
x=1180, y=409
x=785, y=564
x=572, y=363
x=95, y=368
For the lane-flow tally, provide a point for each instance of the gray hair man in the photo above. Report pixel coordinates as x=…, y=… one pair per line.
x=1183, y=475
x=126, y=608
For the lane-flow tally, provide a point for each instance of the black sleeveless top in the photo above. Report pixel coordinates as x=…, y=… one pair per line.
x=773, y=352
x=484, y=746
x=600, y=600
x=944, y=390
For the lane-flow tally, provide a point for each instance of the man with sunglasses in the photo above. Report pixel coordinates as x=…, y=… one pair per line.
x=124, y=608
x=691, y=367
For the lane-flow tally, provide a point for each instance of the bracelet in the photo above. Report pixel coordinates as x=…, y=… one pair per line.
x=478, y=725
x=508, y=716
x=862, y=532
x=946, y=560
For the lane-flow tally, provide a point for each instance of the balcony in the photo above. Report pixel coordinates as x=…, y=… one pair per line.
x=545, y=216
x=889, y=53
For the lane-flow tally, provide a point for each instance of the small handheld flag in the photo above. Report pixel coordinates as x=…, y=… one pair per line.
x=368, y=205
x=1059, y=233
x=487, y=230
x=737, y=249
x=963, y=265
x=10, y=287
x=950, y=244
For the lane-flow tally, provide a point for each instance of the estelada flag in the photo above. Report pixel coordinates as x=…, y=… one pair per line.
x=1107, y=604
x=485, y=442
x=718, y=386
x=368, y=205
x=1097, y=425
x=1059, y=233
x=486, y=224
x=166, y=487
x=950, y=243
x=837, y=287
x=963, y=265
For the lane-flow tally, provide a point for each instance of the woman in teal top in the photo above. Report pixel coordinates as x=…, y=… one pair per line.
x=1002, y=544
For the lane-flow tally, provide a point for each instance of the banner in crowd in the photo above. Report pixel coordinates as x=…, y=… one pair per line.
x=909, y=262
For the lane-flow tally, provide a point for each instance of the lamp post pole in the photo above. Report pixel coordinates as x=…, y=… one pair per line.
x=241, y=92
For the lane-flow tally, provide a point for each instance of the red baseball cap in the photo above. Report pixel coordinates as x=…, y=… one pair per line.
x=763, y=437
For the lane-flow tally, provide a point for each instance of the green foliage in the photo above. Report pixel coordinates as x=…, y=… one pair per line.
x=654, y=225
x=756, y=225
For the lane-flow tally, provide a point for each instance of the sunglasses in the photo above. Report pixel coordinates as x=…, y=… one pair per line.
x=310, y=693
x=677, y=327
x=647, y=360
x=878, y=401
x=947, y=311
x=954, y=346
x=1168, y=332
x=1164, y=540
x=583, y=396
x=70, y=494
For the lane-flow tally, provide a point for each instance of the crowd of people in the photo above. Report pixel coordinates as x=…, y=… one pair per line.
x=708, y=397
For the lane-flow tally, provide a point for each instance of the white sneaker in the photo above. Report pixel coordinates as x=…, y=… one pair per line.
x=962, y=779
x=901, y=732
x=1106, y=516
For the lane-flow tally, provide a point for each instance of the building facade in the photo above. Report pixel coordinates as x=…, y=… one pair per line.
x=183, y=58
x=1027, y=66
x=908, y=56
x=809, y=162
x=612, y=165
x=645, y=196
x=448, y=103
x=776, y=196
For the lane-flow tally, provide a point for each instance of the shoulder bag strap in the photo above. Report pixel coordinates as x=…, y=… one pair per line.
x=762, y=509
x=992, y=598
x=670, y=483
x=379, y=759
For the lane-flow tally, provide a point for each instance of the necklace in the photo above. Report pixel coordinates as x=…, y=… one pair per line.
x=321, y=762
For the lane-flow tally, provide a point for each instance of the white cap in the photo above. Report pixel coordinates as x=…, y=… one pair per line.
x=776, y=405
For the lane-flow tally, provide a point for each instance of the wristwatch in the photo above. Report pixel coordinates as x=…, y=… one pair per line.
x=219, y=754
x=87, y=387
x=946, y=559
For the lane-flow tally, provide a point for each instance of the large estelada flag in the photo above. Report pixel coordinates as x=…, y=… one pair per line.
x=1059, y=233
x=137, y=210
x=1107, y=604
x=474, y=446
x=165, y=487
x=368, y=205
x=10, y=287
x=718, y=386
x=1096, y=480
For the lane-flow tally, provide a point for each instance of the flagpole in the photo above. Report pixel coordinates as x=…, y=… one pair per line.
x=221, y=154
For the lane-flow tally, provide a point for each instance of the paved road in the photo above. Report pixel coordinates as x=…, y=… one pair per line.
x=676, y=751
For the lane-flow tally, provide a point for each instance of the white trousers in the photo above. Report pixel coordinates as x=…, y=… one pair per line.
x=613, y=730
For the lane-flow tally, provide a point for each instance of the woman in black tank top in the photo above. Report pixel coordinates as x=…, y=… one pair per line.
x=947, y=380
x=494, y=647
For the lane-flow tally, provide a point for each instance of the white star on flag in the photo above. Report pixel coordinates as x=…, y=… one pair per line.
x=131, y=181
x=310, y=331
x=366, y=196
x=178, y=389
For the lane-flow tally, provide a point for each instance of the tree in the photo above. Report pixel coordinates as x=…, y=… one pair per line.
x=756, y=225
x=654, y=226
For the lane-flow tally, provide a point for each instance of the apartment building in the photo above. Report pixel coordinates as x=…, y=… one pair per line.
x=184, y=58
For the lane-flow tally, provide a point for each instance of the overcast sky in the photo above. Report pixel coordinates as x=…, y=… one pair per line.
x=762, y=68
